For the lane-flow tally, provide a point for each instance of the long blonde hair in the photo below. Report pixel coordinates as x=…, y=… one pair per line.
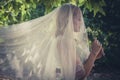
x=63, y=15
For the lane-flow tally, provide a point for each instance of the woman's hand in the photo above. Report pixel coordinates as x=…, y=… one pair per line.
x=101, y=53
x=96, y=49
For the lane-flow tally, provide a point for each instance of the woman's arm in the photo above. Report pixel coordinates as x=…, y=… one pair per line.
x=96, y=53
x=89, y=64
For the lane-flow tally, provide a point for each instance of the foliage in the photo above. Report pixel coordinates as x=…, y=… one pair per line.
x=95, y=30
x=106, y=29
x=112, y=27
x=16, y=11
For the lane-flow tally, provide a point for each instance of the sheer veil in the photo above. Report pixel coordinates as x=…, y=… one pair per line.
x=38, y=48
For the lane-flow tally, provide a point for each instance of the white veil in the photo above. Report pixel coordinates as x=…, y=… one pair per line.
x=41, y=48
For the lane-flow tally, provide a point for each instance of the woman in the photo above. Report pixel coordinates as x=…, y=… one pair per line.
x=52, y=47
x=84, y=58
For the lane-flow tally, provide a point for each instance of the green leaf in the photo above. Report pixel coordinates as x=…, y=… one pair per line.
x=19, y=1
x=102, y=11
x=73, y=2
x=34, y=5
x=82, y=2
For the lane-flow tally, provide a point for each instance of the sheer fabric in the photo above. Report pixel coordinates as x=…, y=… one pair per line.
x=45, y=48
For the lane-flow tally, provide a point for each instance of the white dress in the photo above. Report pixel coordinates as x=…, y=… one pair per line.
x=79, y=68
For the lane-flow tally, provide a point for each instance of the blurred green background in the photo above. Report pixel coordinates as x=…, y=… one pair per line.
x=101, y=19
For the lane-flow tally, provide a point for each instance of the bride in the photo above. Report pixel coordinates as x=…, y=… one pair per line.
x=52, y=47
